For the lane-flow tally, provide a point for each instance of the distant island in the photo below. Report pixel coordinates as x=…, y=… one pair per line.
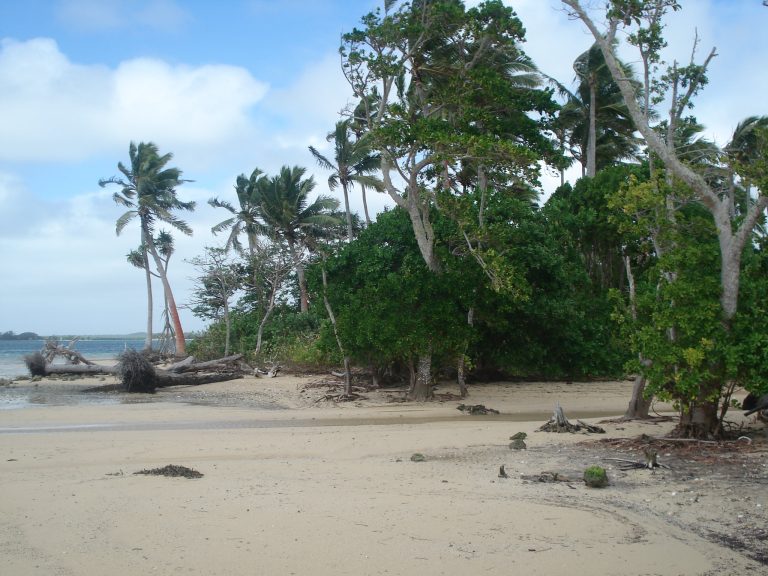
x=10, y=335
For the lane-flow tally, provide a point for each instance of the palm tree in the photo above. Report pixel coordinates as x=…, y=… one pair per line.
x=599, y=124
x=138, y=258
x=148, y=188
x=353, y=164
x=287, y=215
x=246, y=218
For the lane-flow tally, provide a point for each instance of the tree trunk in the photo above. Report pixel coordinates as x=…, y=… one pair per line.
x=421, y=387
x=227, y=327
x=148, y=338
x=303, y=298
x=730, y=268
x=347, y=370
x=181, y=345
x=460, y=377
x=260, y=332
x=639, y=406
x=346, y=208
x=700, y=420
x=89, y=369
x=592, y=136
x=365, y=207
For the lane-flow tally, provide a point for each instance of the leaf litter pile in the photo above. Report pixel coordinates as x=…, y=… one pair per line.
x=171, y=470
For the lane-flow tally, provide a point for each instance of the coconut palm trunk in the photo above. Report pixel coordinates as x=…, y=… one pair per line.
x=148, y=274
x=346, y=208
x=592, y=137
x=299, y=267
x=181, y=346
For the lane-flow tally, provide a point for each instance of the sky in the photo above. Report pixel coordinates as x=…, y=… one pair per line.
x=226, y=86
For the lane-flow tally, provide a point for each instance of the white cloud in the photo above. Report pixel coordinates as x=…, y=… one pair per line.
x=69, y=274
x=53, y=109
x=310, y=105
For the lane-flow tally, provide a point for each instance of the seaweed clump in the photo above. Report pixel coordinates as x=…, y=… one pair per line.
x=173, y=471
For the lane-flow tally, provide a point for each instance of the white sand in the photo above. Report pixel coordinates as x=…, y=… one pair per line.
x=314, y=490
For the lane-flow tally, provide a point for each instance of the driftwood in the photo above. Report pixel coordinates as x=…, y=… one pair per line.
x=52, y=349
x=651, y=462
x=234, y=362
x=559, y=423
x=87, y=369
x=547, y=476
x=476, y=409
x=271, y=373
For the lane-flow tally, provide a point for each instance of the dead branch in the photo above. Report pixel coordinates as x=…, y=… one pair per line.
x=52, y=349
x=189, y=364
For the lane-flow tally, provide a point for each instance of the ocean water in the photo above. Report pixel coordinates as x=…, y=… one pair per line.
x=12, y=352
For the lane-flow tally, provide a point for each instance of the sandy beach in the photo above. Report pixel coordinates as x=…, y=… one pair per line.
x=294, y=484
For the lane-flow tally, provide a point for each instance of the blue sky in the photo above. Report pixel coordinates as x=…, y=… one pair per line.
x=227, y=86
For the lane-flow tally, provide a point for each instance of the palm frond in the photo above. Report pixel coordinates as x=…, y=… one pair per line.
x=224, y=225
x=123, y=221
x=322, y=160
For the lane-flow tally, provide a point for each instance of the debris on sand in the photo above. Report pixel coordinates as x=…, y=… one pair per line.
x=476, y=409
x=173, y=471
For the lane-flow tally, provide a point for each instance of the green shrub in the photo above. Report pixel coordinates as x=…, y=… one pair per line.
x=596, y=477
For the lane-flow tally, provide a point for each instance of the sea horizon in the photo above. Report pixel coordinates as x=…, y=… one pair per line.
x=92, y=347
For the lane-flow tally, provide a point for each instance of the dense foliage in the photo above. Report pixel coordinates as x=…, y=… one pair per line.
x=654, y=263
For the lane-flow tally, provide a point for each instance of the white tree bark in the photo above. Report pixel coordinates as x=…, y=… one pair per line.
x=731, y=242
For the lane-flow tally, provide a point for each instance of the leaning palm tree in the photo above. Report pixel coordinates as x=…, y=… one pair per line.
x=244, y=219
x=287, y=214
x=148, y=189
x=353, y=163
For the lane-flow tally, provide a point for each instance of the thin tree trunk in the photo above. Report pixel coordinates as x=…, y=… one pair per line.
x=267, y=314
x=303, y=297
x=461, y=377
x=639, y=406
x=592, y=137
x=347, y=370
x=365, y=207
x=150, y=304
x=228, y=327
x=346, y=207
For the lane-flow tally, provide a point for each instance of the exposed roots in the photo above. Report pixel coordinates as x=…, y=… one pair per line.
x=35, y=364
x=136, y=372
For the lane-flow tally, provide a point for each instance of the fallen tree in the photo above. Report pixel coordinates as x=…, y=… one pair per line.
x=137, y=374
